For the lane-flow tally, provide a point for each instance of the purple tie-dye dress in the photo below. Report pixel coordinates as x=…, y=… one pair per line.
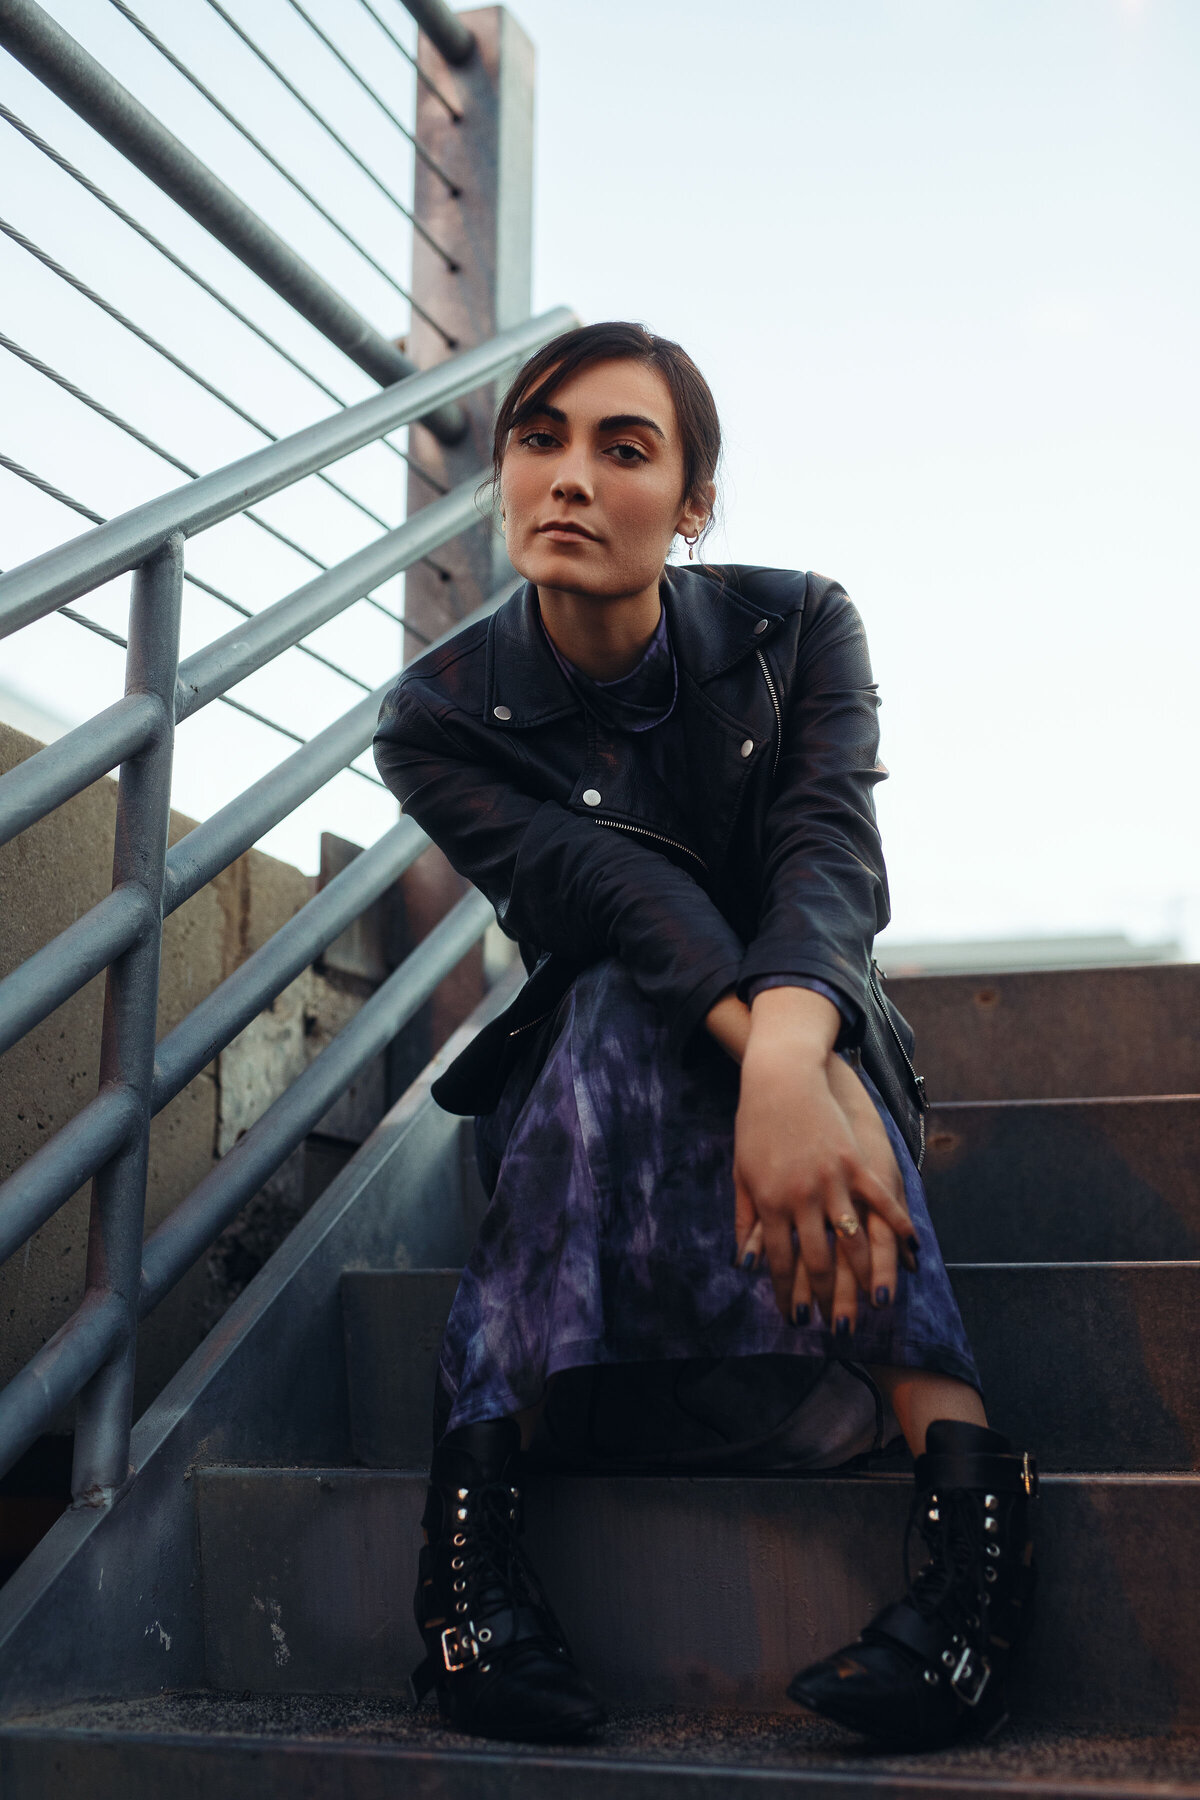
x=609, y=1238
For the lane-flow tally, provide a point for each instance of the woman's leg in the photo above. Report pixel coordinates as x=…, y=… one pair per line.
x=495, y=1651
x=919, y=1396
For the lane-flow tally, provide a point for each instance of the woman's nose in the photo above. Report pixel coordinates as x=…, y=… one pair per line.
x=571, y=480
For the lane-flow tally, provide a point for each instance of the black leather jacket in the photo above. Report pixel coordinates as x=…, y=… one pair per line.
x=773, y=865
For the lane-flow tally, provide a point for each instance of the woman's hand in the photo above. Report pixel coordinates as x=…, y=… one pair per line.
x=810, y=1152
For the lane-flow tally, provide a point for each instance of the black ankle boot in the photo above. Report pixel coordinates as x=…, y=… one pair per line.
x=933, y=1666
x=496, y=1653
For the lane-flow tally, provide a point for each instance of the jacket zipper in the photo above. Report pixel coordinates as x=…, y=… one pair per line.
x=918, y=1081
x=762, y=663
x=641, y=831
x=530, y=1023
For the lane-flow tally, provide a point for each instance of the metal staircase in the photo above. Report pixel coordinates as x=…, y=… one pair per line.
x=225, y=1609
x=284, y=1588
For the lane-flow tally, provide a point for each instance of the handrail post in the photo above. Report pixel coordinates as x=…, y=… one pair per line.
x=130, y=1014
x=488, y=228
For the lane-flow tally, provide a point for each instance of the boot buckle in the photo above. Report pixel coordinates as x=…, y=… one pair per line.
x=455, y=1643
x=970, y=1678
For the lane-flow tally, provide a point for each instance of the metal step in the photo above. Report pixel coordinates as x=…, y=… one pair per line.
x=1096, y=1366
x=698, y=1593
x=1065, y=1180
x=221, y=1747
x=1056, y=1034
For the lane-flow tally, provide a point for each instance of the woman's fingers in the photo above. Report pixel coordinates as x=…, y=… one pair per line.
x=845, y=1294
x=852, y=1244
x=872, y=1193
x=750, y=1248
x=745, y=1213
x=780, y=1247
x=802, y=1296
x=883, y=1260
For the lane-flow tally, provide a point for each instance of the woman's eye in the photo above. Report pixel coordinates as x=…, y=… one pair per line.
x=628, y=453
x=538, y=440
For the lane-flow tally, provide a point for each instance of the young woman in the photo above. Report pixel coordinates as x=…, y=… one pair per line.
x=662, y=779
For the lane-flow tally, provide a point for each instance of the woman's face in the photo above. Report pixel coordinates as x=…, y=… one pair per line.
x=590, y=487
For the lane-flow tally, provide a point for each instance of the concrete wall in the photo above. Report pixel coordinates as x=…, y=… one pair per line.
x=50, y=876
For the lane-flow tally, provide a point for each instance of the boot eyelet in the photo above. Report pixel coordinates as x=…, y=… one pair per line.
x=515, y=1492
x=991, y=1525
x=484, y=1668
x=989, y=1574
x=463, y=1492
x=458, y=1539
x=991, y=1503
x=932, y=1677
x=461, y=1514
x=460, y=1587
x=456, y=1562
x=460, y=1606
x=484, y=1636
x=934, y=1515
x=949, y=1658
x=992, y=1549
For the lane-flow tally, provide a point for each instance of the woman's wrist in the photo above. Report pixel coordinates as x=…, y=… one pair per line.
x=728, y=1021
x=797, y=1020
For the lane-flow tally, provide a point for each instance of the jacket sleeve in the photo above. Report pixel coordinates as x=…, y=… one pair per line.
x=824, y=883
x=558, y=881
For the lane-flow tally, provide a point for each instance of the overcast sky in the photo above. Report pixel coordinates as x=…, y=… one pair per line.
x=939, y=260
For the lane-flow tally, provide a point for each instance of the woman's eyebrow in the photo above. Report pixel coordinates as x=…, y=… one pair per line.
x=623, y=422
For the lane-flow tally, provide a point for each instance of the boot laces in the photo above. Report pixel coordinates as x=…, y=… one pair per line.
x=951, y=1585
x=496, y=1572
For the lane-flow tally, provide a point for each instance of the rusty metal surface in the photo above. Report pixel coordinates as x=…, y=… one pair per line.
x=1093, y=1366
x=1078, y=1180
x=704, y=1592
x=1056, y=1034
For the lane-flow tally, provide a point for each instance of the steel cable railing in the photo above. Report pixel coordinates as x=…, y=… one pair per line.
x=334, y=135
x=280, y=168
x=200, y=281
x=66, y=68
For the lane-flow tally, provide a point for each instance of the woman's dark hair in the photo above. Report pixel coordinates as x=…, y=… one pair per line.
x=555, y=362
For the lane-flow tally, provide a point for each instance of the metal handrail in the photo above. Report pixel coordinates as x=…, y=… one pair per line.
x=63, y=574
x=92, y=1355
x=444, y=29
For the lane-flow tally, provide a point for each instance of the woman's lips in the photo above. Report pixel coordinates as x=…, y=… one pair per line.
x=566, y=534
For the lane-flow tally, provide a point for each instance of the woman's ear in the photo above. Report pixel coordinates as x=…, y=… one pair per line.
x=697, y=511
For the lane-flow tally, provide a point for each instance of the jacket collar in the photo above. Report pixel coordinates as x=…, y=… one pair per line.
x=711, y=622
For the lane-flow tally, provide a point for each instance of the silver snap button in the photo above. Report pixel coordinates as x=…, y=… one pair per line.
x=502, y=712
x=761, y=627
x=748, y=747
x=591, y=796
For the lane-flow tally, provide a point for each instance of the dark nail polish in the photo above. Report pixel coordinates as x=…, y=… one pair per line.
x=882, y=1296
x=801, y=1316
x=842, y=1328
x=749, y=1260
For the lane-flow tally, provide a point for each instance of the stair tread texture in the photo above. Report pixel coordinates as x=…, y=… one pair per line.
x=1056, y=1034
x=266, y=1746
x=1077, y=1179
x=709, y=1591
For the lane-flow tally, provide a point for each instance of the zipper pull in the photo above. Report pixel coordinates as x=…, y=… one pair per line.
x=922, y=1096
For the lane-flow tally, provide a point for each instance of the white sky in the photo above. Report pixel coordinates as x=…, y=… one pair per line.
x=938, y=258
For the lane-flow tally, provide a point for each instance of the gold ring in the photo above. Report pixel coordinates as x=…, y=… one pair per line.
x=846, y=1226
